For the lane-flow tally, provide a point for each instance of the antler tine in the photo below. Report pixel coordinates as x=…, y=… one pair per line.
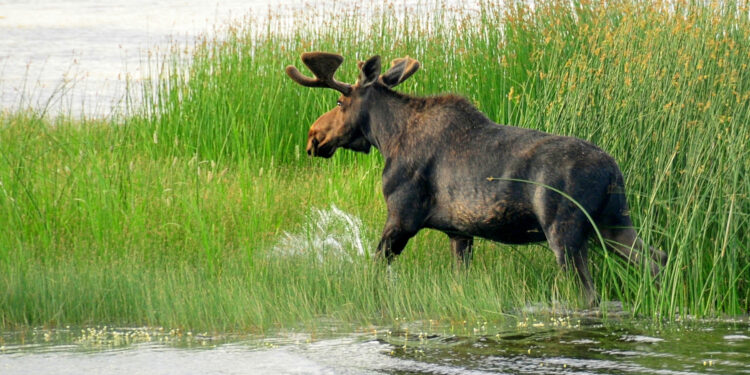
x=303, y=80
x=323, y=65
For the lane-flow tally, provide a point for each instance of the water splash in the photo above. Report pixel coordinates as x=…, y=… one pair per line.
x=326, y=233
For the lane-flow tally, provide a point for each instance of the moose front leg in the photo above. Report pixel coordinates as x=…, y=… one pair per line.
x=406, y=212
x=393, y=241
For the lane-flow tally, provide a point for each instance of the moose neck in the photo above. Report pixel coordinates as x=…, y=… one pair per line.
x=399, y=122
x=389, y=114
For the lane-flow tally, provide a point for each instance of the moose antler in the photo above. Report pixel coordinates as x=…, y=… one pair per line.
x=401, y=69
x=323, y=65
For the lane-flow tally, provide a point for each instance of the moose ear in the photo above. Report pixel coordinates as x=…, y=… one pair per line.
x=369, y=71
x=400, y=70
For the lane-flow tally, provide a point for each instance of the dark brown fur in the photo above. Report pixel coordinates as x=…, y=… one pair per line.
x=448, y=167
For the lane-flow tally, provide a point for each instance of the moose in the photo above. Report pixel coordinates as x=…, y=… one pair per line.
x=450, y=168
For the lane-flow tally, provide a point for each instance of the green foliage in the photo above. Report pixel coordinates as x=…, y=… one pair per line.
x=169, y=215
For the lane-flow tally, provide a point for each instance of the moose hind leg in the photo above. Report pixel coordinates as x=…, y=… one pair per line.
x=570, y=246
x=461, y=249
x=626, y=243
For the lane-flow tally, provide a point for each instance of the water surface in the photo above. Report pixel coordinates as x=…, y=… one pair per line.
x=75, y=56
x=541, y=345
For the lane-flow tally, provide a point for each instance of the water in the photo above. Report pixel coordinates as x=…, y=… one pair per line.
x=77, y=57
x=74, y=56
x=542, y=345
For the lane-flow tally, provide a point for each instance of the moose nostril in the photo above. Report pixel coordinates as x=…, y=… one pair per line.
x=313, y=146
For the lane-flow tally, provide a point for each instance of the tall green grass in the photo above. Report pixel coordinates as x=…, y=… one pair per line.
x=169, y=215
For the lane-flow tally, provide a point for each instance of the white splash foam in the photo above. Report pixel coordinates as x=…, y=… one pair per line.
x=736, y=337
x=641, y=338
x=327, y=233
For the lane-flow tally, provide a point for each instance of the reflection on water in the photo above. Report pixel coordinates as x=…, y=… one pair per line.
x=538, y=345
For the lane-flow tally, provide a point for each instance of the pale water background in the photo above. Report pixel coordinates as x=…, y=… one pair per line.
x=74, y=57
x=87, y=48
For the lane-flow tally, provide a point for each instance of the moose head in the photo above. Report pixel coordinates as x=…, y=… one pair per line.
x=346, y=124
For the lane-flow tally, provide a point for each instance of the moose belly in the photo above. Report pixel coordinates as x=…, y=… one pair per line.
x=505, y=222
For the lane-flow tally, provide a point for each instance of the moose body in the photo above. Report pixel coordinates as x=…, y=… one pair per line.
x=448, y=167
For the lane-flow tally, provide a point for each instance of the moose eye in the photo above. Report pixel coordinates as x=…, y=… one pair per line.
x=338, y=103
